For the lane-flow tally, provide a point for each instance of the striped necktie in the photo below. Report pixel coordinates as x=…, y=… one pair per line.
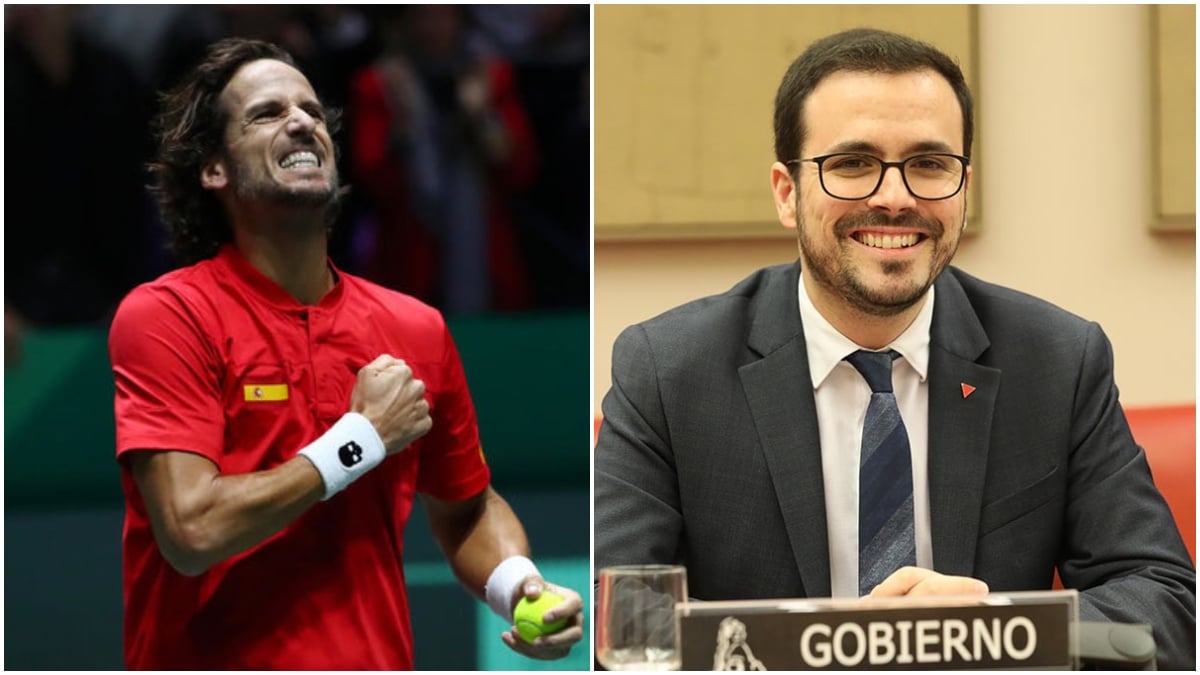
x=885, y=494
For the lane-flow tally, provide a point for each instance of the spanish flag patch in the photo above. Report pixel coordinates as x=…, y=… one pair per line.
x=266, y=392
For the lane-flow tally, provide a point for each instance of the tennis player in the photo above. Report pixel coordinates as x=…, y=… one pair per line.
x=276, y=417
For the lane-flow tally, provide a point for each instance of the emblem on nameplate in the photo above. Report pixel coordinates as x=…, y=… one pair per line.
x=733, y=649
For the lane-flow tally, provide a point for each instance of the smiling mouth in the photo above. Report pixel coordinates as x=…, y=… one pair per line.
x=888, y=241
x=301, y=159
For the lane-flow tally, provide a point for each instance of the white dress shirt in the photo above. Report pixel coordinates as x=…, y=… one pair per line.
x=842, y=396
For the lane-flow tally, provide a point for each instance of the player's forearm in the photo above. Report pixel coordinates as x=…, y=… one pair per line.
x=477, y=537
x=206, y=519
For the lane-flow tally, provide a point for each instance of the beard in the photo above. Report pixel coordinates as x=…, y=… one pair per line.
x=252, y=184
x=836, y=269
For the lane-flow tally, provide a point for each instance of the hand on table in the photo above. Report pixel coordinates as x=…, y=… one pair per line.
x=917, y=581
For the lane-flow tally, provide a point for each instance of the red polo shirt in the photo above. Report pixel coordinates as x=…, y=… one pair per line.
x=218, y=360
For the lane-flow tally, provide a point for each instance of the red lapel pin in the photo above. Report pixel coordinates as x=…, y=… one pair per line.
x=967, y=389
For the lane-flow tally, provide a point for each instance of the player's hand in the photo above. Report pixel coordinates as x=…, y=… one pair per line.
x=558, y=644
x=388, y=395
x=917, y=581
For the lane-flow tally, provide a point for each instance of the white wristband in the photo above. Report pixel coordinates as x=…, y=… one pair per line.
x=349, y=449
x=504, y=581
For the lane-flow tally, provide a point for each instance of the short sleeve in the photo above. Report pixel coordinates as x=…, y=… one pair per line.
x=452, y=462
x=167, y=377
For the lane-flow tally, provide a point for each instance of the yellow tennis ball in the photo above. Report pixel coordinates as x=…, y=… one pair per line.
x=528, y=616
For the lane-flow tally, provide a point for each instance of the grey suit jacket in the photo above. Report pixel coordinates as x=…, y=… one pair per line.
x=709, y=455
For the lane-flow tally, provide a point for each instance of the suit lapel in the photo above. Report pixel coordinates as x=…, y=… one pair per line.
x=779, y=393
x=960, y=426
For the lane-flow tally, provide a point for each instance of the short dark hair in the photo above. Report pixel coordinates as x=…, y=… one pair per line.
x=859, y=50
x=190, y=130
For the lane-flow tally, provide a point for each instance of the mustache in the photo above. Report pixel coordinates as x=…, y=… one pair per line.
x=858, y=221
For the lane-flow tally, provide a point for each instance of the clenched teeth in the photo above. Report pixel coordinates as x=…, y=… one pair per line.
x=887, y=240
x=301, y=158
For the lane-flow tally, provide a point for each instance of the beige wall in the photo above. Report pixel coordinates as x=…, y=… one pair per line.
x=1072, y=80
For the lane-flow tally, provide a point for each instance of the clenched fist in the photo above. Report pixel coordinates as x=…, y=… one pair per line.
x=388, y=395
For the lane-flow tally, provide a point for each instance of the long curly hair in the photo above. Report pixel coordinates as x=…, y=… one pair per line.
x=190, y=131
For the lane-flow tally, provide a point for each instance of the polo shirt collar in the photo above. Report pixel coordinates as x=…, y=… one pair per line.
x=826, y=346
x=246, y=275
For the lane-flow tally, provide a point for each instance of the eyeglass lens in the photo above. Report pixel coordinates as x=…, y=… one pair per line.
x=852, y=176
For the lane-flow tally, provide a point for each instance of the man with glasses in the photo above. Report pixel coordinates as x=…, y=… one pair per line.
x=870, y=421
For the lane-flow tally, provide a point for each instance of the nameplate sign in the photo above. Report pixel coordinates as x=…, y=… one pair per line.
x=1013, y=631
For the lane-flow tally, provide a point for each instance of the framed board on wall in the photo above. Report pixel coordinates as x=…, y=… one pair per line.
x=684, y=97
x=1173, y=115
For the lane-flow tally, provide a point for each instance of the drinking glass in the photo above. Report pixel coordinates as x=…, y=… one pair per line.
x=637, y=626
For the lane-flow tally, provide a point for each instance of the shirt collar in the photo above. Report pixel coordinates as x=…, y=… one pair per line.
x=246, y=275
x=826, y=346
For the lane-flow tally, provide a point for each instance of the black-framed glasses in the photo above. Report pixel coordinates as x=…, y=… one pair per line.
x=852, y=176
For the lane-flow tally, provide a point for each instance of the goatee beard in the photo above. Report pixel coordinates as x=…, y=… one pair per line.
x=838, y=272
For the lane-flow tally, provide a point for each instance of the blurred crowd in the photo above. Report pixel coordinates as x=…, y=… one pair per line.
x=465, y=144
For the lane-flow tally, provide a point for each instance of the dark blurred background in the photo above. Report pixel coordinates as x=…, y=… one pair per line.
x=466, y=145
